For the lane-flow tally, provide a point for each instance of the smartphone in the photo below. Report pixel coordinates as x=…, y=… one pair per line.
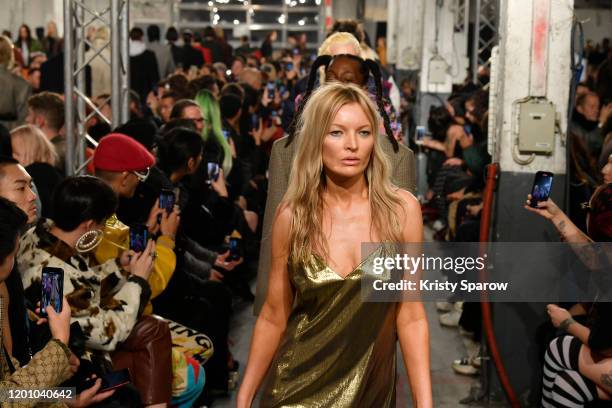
x=271, y=87
x=226, y=134
x=419, y=134
x=235, y=248
x=139, y=237
x=213, y=171
x=110, y=381
x=167, y=200
x=52, y=282
x=542, y=185
x=289, y=67
x=254, y=121
x=467, y=129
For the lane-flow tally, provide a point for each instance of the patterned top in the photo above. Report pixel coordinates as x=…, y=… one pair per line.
x=104, y=299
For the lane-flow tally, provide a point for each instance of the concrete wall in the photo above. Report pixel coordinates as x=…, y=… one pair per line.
x=39, y=12
x=599, y=24
x=32, y=12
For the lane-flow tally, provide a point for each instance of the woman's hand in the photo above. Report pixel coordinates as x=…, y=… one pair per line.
x=219, y=185
x=216, y=276
x=222, y=262
x=152, y=102
x=141, y=264
x=59, y=323
x=74, y=363
x=265, y=98
x=257, y=134
x=453, y=161
x=547, y=209
x=90, y=396
x=154, y=214
x=557, y=315
x=170, y=222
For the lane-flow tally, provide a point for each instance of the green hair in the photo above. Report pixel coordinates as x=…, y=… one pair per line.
x=212, y=126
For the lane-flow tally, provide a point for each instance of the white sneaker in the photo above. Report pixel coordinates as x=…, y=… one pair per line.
x=438, y=225
x=444, y=306
x=464, y=367
x=450, y=319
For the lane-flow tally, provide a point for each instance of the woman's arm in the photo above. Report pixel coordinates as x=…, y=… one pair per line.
x=272, y=319
x=411, y=320
x=562, y=319
x=566, y=228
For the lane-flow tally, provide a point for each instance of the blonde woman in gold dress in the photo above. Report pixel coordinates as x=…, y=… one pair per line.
x=316, y=343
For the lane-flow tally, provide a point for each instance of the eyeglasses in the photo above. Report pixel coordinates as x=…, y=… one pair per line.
x=142, y=175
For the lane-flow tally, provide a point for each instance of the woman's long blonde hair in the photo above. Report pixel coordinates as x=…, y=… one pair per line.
x=38, y=149
x=307, y=181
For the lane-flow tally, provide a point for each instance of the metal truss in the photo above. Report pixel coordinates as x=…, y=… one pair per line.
x=78, y=17
x=461, y=10
x=485, y=33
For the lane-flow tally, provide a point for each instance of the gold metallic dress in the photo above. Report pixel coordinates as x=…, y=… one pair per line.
x=337, y=350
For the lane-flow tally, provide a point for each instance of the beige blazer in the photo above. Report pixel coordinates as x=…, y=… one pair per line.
x=403, y=175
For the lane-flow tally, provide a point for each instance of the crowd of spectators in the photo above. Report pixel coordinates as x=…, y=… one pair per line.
x=204, y=118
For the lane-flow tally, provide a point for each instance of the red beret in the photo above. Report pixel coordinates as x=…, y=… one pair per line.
x=118, y=152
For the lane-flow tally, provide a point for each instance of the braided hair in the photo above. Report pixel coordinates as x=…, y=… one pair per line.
x=368, y=67
x=321, y=61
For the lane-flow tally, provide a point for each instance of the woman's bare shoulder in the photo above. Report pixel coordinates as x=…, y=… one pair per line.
x=409, y=202
x=283, y=216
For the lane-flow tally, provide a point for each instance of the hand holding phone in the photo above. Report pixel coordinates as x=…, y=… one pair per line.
x=235, y=249
x=139, y=236
x=52, y=293
x=271, y=88
x=110, y=381
x=167, y=200
x=59, y=322
x=213, y=172
x=419, y=134
x=542, y=185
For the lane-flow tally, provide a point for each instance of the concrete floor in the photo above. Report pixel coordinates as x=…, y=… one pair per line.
x=446, y=345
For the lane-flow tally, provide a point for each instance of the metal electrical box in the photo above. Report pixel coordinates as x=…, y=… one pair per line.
x=536, y=132
x=437, y=71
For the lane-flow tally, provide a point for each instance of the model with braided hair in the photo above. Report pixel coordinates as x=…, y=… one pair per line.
x=345, y=68
x=365, y=67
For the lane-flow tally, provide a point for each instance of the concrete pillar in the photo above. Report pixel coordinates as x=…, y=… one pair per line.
x=534, y=60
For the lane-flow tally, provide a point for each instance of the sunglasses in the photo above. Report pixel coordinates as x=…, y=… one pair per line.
x=142, y=175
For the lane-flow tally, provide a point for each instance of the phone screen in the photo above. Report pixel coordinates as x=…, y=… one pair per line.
x=420, y=133
x=110, y=381
x=167, y=200
x=213, y=171
x=139, y=236
x=52, y=282
x=226, y=134
x=542, y=185
x=289, y=66
x=234, y=248
x=115, y=379
x=271, y=89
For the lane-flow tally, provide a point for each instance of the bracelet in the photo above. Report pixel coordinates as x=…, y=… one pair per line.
x=566, y=323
